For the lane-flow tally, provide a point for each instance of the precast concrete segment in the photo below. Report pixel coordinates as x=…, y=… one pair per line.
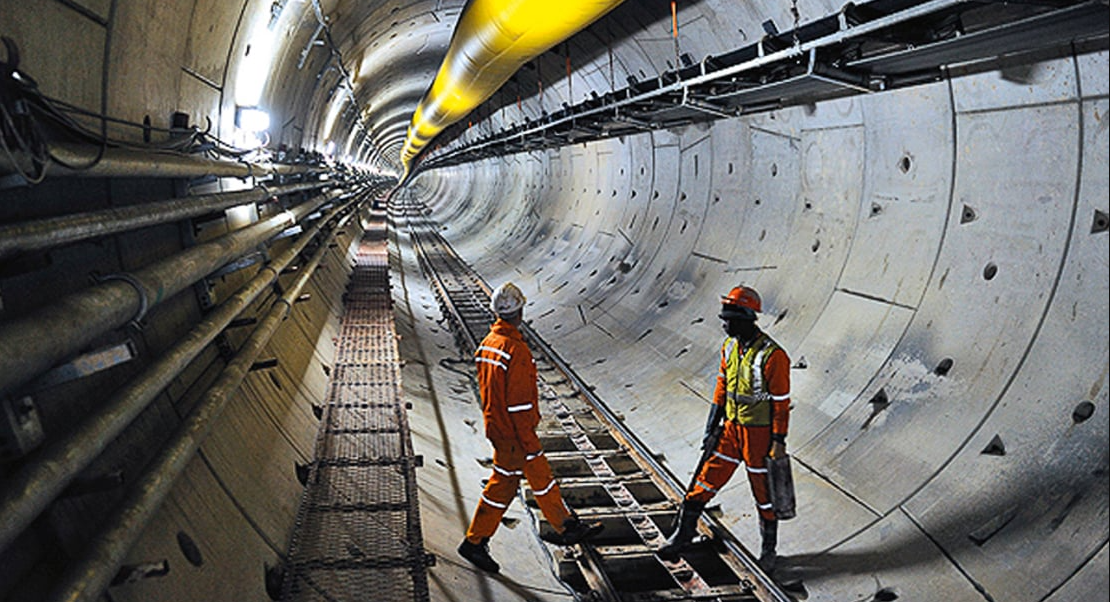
x=358, y=526
x=1043, y=442
x=951, y=210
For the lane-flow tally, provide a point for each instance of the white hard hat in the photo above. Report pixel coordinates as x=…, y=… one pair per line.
x=506, y=299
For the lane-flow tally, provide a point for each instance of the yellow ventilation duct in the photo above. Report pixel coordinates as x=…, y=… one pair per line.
x=491, y=41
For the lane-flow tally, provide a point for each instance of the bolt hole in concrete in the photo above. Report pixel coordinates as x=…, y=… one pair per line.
x=904, y=164
x=968, y=215
x=781, y=316
x=189, y=549
x=1100, y=222
x=774, y=169
x=995, y=448
x=880, y=398
x=1083, y=411
x=273, y=578
x=990, y=271
x=943, y=367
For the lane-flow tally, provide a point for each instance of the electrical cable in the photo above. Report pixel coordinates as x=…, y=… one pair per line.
x=30, y=119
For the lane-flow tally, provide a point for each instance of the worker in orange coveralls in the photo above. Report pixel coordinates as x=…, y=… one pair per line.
x=753, y=398
x=510, y=408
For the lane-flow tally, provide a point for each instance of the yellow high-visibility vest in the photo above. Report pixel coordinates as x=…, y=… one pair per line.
x=743, y=381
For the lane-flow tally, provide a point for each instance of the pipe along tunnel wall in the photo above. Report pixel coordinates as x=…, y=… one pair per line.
x=935, y=261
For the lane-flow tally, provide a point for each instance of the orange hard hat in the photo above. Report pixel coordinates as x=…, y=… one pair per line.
x=741, y=302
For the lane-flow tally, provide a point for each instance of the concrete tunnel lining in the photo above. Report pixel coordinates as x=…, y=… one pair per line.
x=906, y=356
x=859, y=241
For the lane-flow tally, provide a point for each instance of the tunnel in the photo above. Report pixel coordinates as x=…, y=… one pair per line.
x=200, y=199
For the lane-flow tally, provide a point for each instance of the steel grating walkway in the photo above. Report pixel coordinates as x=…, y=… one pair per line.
x=357, y=535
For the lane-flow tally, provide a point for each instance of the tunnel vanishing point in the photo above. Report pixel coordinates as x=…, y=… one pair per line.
x=214, y=223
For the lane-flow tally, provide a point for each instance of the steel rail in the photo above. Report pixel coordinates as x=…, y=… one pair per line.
x=684, y=575
x=677, y=486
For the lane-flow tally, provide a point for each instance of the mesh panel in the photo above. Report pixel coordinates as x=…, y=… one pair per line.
x=358, y=525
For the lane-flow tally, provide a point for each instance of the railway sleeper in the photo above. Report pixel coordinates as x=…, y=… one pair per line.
x=619, y=495
x=564, y=442
x=571, y=465
x=640, y=576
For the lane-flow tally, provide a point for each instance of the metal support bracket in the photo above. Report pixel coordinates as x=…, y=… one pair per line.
x=20, y=428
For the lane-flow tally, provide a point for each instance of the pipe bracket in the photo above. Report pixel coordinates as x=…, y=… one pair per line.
x=144, y=302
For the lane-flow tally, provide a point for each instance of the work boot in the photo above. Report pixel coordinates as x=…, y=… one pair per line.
x=686, y=529
x=769, y=531
x=478, y=554
x=574, y=532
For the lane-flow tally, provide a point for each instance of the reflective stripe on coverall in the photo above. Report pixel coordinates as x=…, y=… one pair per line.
x=746, y=438
x=510, y=408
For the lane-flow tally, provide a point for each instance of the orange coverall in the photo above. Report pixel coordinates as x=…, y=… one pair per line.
x=510, y=408
x=747, y=442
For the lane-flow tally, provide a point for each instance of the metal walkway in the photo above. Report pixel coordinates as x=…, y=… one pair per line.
x=604, y=472
x=358, y=533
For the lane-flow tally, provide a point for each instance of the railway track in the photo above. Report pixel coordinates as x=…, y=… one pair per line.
x=604, y=472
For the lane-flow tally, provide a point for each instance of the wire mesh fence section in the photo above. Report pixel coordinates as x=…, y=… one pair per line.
x=358, y=524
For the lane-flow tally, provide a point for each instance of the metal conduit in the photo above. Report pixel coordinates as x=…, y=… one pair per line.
x=53, y=232
x=129, y=163
x=47, y=471
x=491, y=41
x=86, y=579
x=79, y=318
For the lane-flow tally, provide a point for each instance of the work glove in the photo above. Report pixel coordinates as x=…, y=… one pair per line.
x=716, y=413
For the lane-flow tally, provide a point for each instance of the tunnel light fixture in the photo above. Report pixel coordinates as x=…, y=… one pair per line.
x=251, y=127
x=252, y=119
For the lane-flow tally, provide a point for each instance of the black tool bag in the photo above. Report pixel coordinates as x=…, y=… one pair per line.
x=781, y=483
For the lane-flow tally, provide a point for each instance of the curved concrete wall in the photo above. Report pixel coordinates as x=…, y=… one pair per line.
x=926, y=257
x=230, y=515
x=931, y=259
